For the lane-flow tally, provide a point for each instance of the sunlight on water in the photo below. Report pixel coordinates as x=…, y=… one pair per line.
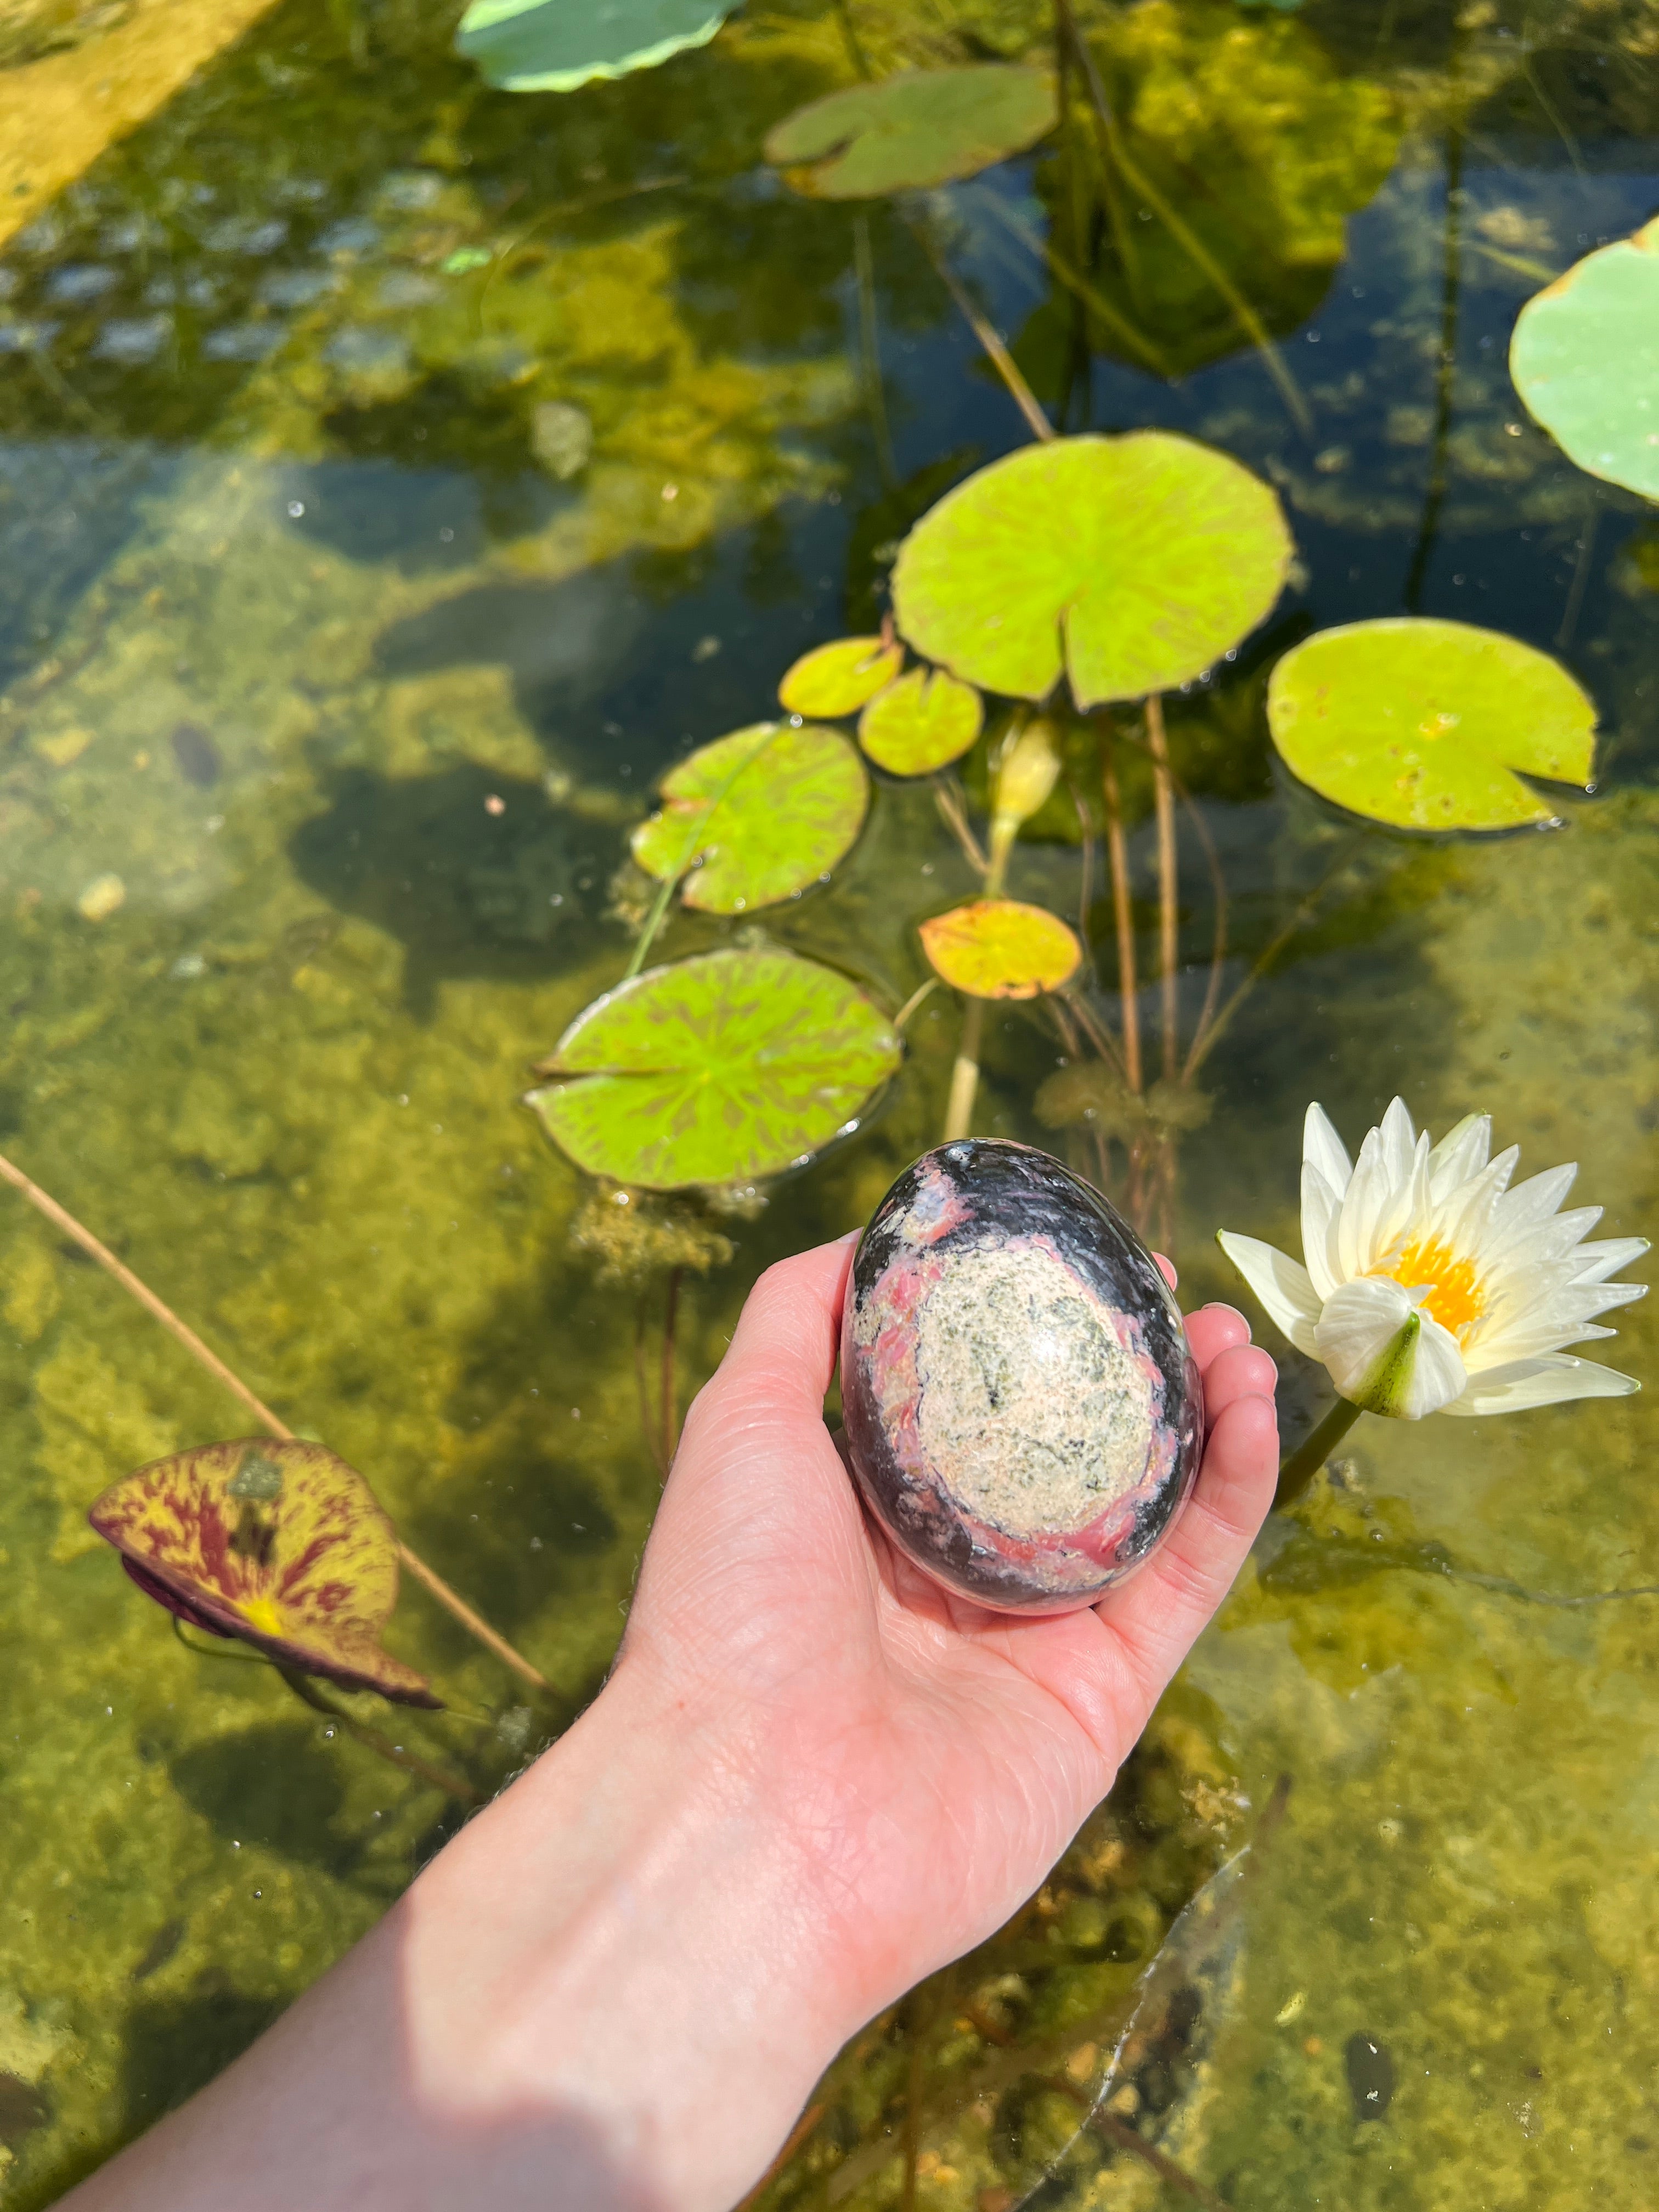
x=396, y=478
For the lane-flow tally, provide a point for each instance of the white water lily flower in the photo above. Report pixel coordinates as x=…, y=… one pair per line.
x=1430, y=1286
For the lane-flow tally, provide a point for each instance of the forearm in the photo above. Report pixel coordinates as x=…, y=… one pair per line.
x=613, y=1990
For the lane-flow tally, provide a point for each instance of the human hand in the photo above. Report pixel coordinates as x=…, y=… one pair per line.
x=927, y=1760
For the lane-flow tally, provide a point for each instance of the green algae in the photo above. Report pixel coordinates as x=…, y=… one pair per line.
x=280, y=1075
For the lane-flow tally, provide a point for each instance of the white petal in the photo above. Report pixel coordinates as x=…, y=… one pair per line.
x=1549, y=1381
x=1324, y=1149
x=1594, y=1263
x=1320, y=1208
x=1281, y=1283
x=1399, y=1138
x=1533, y=1200
x=1537, y=1243
x=1363, y=1203
x=1356, y=1337
x=1460, y=1155
x=1542, y=1334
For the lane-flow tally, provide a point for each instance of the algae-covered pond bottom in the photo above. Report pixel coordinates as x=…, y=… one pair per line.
x=337, y=670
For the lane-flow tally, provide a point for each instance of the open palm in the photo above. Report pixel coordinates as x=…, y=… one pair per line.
x=930, y=1759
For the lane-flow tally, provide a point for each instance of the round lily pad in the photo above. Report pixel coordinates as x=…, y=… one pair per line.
x=1422, y=724
x=1585, y=359
x=769, y=809
x=1000, y=949
x=721, y=1069
x=276, y=1543
x=550, y=45
x=1129, y=564
x=837, y=678
x=921, y=722
x=904, y=133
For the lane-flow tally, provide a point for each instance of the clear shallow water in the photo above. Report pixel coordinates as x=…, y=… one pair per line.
x=267, y=475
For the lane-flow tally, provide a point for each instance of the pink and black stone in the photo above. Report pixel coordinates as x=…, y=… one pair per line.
x=1024, y=1417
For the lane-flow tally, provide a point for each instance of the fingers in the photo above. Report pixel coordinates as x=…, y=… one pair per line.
x=1243, y=1370
x=783, y=1349
x=1157, y=1617
x=1167, y=1269
x=1215, y=1329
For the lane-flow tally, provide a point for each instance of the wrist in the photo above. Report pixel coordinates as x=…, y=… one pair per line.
x=641, y=1932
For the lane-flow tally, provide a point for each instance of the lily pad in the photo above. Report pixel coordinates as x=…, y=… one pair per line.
x=280, y=1544
x=1000, y=949
x=1129, y=564
x=921, y=722
x=768, y=809
x=1423, y=724
x=920, y=128
x=721, y=1069
x=1585, y=359
x=552, y=45
x=838, y=679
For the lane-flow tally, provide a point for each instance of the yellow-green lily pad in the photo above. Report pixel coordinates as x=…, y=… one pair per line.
x=920, y=128
x=276, y=1543
x=1430, y=724
x=839, y=677
x=921, y=723
x=767, y=811
x=1000, y=949
x=1129, y=564
x=718, y=1070
x=1585, y=359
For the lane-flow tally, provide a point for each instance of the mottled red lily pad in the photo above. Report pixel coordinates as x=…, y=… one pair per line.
x=280, y=1544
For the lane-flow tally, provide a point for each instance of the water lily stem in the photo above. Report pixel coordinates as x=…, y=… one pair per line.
x=870, y=348
x=1169, y=910
x=1298, y=1469
x=998, y=353
x=307, y=1692
x=1117, y=852
x=964, y=1076
x=60, y=1219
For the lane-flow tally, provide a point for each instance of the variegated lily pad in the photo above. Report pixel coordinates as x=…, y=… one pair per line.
x=554, y=45
x=767, y=811
x=1585, y=359
x=279, y=1543
x=1000, y=949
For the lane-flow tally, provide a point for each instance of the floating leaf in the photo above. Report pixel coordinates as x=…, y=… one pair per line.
x=902, y=133
x=1128, y=564
x=770, y=809
x=279, y=1543
x=554, y=45
x=1585, y=359
x=921, y=722
x=1000, y=949
x=837, y=679
x=719, y=1070
x=1422, y=723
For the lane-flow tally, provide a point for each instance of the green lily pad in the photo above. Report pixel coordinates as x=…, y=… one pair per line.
x=721, y=1069
x=275, y=1542
x=902, y=133
x=1585, y=361
x=1129, y=564
x=553, y=45
x=1422, y=724
x=920, y=723
x=768, y=809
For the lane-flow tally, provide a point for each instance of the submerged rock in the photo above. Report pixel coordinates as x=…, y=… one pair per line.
x=1023, y=1416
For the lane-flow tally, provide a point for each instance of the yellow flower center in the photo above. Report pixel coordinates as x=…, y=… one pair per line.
x=1455, y=1297
x=264, y=1614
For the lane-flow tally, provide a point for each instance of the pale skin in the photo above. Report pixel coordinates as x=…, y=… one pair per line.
x=810, y=1780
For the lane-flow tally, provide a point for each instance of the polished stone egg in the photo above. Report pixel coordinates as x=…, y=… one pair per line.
x=1024, y=1417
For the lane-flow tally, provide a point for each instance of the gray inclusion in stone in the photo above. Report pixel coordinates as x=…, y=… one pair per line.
x=1033, y=1413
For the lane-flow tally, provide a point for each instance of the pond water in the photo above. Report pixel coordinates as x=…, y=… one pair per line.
x=335, y=676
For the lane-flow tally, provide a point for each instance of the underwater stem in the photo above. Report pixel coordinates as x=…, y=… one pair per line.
x=1204, y=1043
x=1117, y=854
x=964, y=1076
x=1297, y=1470
x=106, y=1260
x=308, y=1694
x=668, y=1410
x=1000, y=359
x=855, y=50
x=1445, y=376
x=870, y=348
x=1169, y=911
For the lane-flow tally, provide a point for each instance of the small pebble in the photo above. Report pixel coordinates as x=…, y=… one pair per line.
x=100, y=898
